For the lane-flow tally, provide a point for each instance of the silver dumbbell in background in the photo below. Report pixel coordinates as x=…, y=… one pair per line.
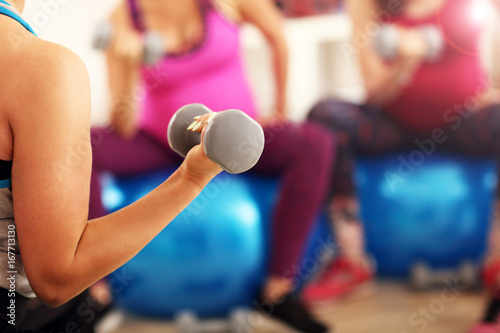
x=422, y=276
x=232, y=139
x=154, y=44
x=386, y=41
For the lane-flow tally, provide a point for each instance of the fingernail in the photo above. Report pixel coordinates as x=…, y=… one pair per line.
x=197, y=117
x=211, y=117
x=197, y=127
x=193, y=124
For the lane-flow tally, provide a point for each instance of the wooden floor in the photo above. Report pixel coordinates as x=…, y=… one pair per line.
x=384, y=308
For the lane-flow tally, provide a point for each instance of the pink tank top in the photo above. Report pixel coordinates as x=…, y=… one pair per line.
x=212, y=74
x=439, y=90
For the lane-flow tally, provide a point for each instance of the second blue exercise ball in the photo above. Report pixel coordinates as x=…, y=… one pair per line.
x=435, y=209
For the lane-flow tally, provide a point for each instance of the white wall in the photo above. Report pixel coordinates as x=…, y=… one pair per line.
x=71, y=23
x=317, y=65
x=314, y=70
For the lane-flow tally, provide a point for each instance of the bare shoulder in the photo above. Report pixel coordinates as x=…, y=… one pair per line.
x=42, y=60
x=43, y=73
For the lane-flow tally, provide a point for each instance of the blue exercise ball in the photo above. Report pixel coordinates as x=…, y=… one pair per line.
x=209, y=260
x=434, y=209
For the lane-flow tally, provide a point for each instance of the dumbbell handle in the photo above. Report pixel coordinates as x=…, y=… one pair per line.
x=232, y=139
x=153, y=49
x=435, y=42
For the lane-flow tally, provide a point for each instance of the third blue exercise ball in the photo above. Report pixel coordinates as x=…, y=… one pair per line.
x=209, y=260
x=435, y=209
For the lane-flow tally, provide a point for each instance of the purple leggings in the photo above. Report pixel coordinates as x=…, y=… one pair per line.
x=301, y=154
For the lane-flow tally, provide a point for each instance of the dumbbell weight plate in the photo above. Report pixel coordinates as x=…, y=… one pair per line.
x=179, y=138
x=154, y=48
x=386, y=41
x=102, y=36
x=235, y=145
x=421, y=276
x=468, y=274
x=435, y=42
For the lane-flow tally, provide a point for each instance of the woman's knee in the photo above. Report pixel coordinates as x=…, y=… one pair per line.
x=334, y=114
x=321, y=111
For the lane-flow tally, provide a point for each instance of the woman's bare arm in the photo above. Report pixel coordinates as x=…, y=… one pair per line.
x=265, y=16
x=122, y=59
x=383, y=82
x=62, y=252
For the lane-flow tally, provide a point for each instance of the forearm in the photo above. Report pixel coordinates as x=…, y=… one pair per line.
x=109, y=242
x=123, y=80
x=280, y=62
x=267, y=18
x=388, y=85
x=123, y=115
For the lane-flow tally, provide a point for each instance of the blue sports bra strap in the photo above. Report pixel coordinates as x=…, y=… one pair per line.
x=136, y=14
x=7, y=10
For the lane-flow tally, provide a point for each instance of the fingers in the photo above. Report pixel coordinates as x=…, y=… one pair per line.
x=127, y=44
x=200, y=122
x=412, y=44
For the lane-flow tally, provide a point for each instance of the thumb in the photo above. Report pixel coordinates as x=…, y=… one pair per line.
x=203, y=131
x=205, y=127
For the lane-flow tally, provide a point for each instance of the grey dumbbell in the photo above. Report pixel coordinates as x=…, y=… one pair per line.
x=154, y=44
x=423, y=277
x=232, y=139
x=386, y=41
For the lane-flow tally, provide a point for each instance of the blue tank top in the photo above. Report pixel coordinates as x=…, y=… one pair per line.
x=6, y=9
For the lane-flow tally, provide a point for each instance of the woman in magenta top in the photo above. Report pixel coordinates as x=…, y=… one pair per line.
x=211, y=72
x=448, y=103
x=203, y=64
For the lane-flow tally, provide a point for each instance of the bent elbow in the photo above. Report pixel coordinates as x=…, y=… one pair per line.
x=50, y=295
x=53, y=288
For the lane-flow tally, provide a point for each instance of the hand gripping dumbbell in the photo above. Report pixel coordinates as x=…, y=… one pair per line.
x=387, y=40
x=154, y=44
x=232, y=139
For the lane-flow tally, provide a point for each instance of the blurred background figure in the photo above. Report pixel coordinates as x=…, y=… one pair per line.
x=424, y=80
x=202, y=64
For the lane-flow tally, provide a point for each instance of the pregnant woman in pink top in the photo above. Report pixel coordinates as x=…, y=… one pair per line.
x=204, y=64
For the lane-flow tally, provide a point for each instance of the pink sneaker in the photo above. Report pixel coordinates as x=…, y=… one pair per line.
x=340, y=278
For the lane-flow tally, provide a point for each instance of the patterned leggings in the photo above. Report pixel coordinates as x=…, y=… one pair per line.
x=365, y=131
